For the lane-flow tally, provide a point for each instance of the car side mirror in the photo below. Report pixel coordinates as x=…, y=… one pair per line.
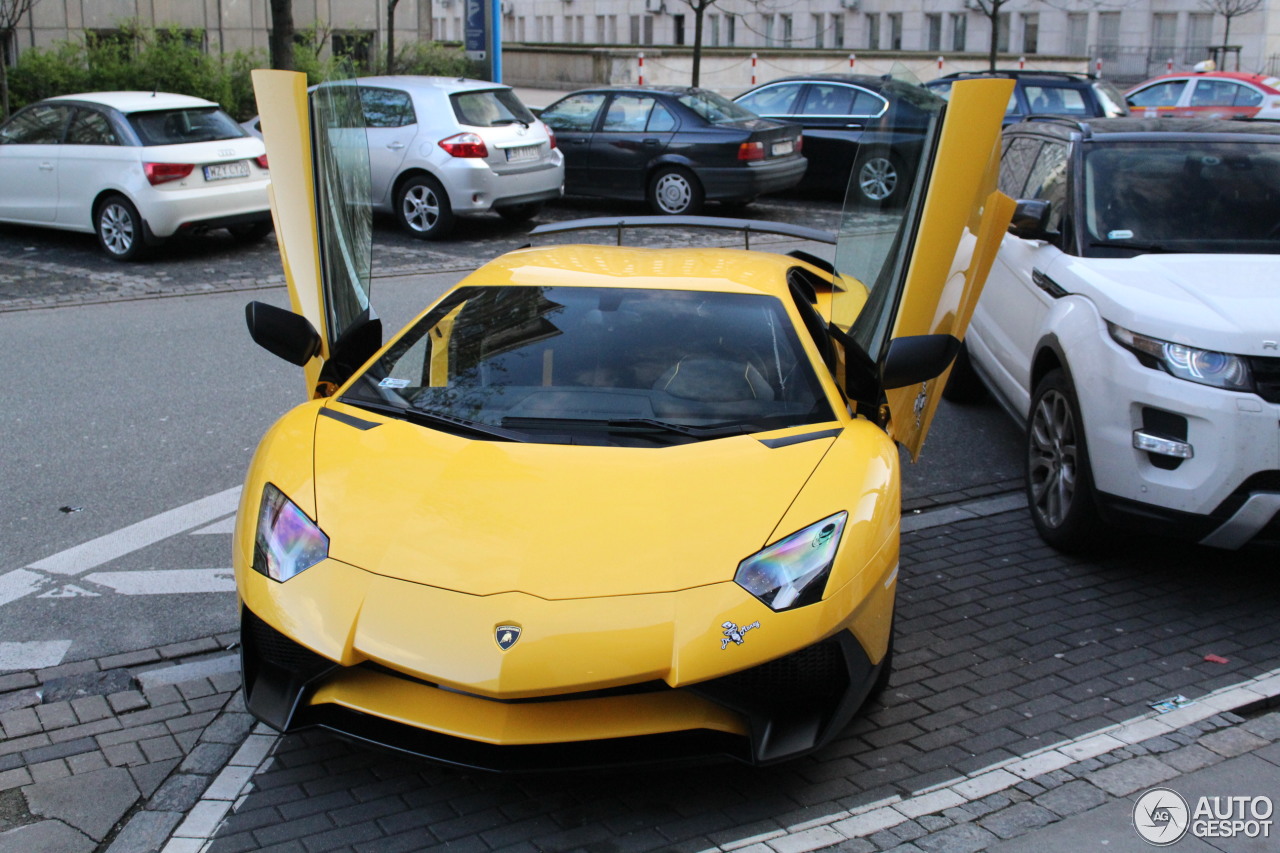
x=1031, y=219
x=917, y=358
x=282, y=333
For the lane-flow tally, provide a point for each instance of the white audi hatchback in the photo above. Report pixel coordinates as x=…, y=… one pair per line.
x=1131, y=321
x=132, y=167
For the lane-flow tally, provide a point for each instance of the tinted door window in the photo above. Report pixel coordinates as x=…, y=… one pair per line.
x=1056, y=100
x=38, y=125
x=1048, y=181
x=89, y=127
x=1224, y=93
x=661, y=120
x=1015, y=165
x=1159, y=95
x=574, y=113
x=386, y=107
x=778, y=100
x=828, y=100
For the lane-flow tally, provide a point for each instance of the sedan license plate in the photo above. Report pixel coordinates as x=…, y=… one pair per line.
x=781, y=149
x=525, y=152
x=222, y=171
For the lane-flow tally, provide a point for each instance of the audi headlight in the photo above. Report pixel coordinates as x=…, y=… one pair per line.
x=287, y=542
x=793, y=571
x=1219, y=369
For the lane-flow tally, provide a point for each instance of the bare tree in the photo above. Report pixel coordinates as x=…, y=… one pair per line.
x=991, y=10
x=391, y=35
x=1230, y=9
x=699, y=8
x=280, y=40
x=11, y=13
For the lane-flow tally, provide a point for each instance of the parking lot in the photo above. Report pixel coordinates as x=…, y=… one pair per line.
x=1003, y=646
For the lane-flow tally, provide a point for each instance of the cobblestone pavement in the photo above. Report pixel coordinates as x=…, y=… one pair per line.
x=40, y=268
x=1004, y=648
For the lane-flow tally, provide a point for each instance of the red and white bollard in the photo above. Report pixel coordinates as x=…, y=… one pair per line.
x=1022, y=62
x=1168, y=65
x=753, y=69
x=939, y=63
x=852, y=60
x=1097, y=66
x=641, y=67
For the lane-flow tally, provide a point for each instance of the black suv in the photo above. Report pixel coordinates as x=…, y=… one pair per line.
x=1058, y=93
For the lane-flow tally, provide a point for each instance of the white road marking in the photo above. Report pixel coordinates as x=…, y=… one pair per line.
x=70, y=590
x=166, y=581
x=19, y=583
x=227, y=525
x=36, y=655
x=82, y=558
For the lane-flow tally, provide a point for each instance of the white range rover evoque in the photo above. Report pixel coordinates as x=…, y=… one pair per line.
x=1132, y=322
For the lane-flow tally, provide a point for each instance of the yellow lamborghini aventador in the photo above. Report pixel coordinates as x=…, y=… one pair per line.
x=597, y=504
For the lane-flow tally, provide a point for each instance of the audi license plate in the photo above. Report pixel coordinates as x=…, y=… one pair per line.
x=524, y=152
x=783, y=148
x=222, y=171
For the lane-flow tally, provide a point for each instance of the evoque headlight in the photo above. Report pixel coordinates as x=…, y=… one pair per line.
x=793, y=571
x=287, y=542
x=1219, y=369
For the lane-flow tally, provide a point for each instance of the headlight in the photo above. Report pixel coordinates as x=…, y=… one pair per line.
x=793, y=572
x=1219, y=369
x=287, y=542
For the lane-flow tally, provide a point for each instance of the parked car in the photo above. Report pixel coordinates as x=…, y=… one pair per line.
x=872, y=127
x=132, y=167
x=672, y=146
x=597, y=504
x=1131, y=323
x=1061, y=93
x=444, y=147
x=1209, y=94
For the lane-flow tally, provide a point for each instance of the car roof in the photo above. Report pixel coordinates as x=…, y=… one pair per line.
x=1248, y=77
x=870, y=81
x=128, y=102
x=1148, y=129
x=448, y=85
x=1020, y=74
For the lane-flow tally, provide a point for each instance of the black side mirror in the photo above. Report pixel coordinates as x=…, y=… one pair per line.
x=282, y=333
x=1031, y=219
x=918, y=358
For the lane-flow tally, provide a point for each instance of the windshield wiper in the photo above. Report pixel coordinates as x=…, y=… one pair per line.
x=505, y=121
x=1132, y=244
x=449, y=423
x=634, y=426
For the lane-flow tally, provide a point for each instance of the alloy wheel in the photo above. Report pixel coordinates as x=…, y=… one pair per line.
x=1053, y=458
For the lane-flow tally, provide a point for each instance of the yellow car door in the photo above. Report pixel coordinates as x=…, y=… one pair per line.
x=908, y=278
x=320, y=204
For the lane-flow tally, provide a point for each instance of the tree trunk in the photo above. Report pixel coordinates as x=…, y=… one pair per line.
x=391, y=36
x=4, y=80
x=280, y=40
x=995, y=38
x=698, y=10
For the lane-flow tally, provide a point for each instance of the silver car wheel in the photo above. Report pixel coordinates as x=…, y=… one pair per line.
x=673, y=193
x=878, y=178
x=117, y=228
x=421, y=208
x=1053, y=458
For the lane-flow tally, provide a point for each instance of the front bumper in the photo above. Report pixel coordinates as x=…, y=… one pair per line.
x=773, y=712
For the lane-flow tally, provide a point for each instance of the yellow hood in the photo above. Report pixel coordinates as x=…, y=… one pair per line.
x=554, y=521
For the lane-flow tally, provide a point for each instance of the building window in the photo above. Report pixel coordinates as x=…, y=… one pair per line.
x=768, y=31
x=933, y=31
x=1002, y=41
x=837, y=30
x=788, y=31
x=677, y=22
x=634, y=30
x=353, y=45
x=715, y=30
x=895, y=31
x=1078, y=34
x=1199, y=32
x=648, y=29
x=817, y=31
x=959, y=30
x=1031, y=32
x=731, y=30
x=873, y=31
x=1164, y=34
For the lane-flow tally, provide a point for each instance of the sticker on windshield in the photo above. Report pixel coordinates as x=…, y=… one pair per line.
x=1121, y=234
x=394, y=383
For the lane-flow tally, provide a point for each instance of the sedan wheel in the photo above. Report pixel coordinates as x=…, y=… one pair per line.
x=423, y=208
x=675, y=191
x=1059, y=482
x=119, y=228
x=879, y=177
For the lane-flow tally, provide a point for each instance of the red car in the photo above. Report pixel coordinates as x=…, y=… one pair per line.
x=1211, y=94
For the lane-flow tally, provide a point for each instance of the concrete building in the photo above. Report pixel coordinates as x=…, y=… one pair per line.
x=1133, y=39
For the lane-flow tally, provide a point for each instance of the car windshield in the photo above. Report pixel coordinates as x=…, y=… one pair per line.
x=179, y=126
x=598, y=365
x=1204, y=196
x=490, y=108
x=715, y=108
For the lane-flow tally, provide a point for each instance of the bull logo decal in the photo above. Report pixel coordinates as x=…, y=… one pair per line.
x=506, y=635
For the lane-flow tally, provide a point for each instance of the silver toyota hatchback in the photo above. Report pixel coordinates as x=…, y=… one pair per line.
x=444, y=147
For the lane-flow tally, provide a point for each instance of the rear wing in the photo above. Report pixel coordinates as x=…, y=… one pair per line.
x=747, y=227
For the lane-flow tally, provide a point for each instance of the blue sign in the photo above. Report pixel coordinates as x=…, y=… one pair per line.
x=476, y=31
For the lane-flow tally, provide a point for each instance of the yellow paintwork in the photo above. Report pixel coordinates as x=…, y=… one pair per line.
x=286, y=127
x=960, y=230
x=616, y=562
